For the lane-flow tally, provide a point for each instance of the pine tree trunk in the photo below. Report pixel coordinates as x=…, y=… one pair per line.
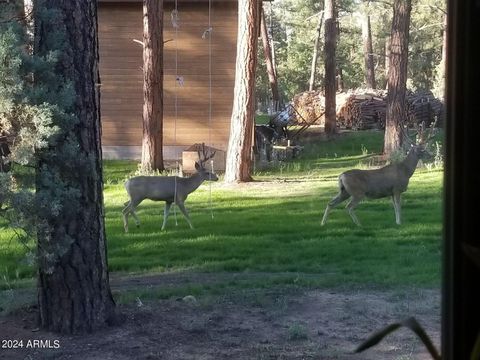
x=152, y=142
x=239, y=153
x=387, y=61
x=330, y=67
x=397, y=76
x=73, y=283
x=272, y=75
x=368, y=53
x=313, y=68
x=443, y=61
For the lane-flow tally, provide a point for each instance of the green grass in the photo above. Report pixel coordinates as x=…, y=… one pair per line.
x=262, y=119
x=273, y=226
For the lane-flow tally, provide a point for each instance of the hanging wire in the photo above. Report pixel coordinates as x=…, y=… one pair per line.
x=176, y=25
x=210, y=30
x=210, y=72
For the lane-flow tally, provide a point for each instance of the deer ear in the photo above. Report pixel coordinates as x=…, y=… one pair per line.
x=197, y=165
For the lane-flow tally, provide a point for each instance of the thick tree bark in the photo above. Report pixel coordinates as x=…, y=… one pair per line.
x=313, y=68
x=239, y=153
x=387, y=61
x=152, y=143
x=397, y=76
x=368, y=53
x=73, y=283
x=272, y=74
x=330, y=67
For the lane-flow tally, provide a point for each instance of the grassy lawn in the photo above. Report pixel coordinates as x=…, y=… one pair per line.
x=262, y=119
x=273, y=226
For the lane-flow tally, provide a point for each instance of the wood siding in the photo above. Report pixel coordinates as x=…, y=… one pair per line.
x=121, y=74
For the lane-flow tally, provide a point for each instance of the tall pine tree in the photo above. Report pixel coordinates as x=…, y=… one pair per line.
x=330, y=67
x=397, y=76
x=73, y=284
x=152, y=141
x=239, y=153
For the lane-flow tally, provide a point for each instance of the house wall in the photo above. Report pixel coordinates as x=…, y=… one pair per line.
x=186, y=108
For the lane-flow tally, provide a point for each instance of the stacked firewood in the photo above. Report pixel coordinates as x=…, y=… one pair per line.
x=423, y=107
x=361, y=111
x=310, y=106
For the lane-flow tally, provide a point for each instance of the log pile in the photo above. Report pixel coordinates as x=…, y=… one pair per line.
x=311, y=106
x=362, y=111
x=423, y=107
x=366, y=109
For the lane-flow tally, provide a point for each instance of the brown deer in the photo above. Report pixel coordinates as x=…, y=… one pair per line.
x=391, y=180
x=171, y=189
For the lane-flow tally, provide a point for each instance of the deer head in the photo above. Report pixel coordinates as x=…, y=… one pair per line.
x=421, y=138
x=203, y=157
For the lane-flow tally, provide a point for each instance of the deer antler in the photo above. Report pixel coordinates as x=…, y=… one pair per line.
x=420, y=135
x=406, y=135
x=203, y=157
x=432, y=130
x=426, y=137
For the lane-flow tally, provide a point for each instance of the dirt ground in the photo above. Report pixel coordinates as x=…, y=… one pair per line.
x=242, y=324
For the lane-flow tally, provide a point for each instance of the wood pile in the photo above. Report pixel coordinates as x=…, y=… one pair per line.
x=423, y=107
x=362, y=110
x=366, y=109
x=311, y=106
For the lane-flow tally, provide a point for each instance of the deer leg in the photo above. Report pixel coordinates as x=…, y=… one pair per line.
x=342, y=196
x=135, y=217
x=352, y=205
x=397, y=206
x=130, y=209
x=165, y=214
x=125, y=212
x=181, y=206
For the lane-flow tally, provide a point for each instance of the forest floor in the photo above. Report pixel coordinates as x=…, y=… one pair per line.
x=274, y=323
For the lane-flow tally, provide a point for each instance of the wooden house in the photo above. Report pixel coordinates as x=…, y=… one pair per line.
x=191, y=115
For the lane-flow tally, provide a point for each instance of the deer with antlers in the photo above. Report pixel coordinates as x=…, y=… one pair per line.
x=391, y=180
x=171, y=189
